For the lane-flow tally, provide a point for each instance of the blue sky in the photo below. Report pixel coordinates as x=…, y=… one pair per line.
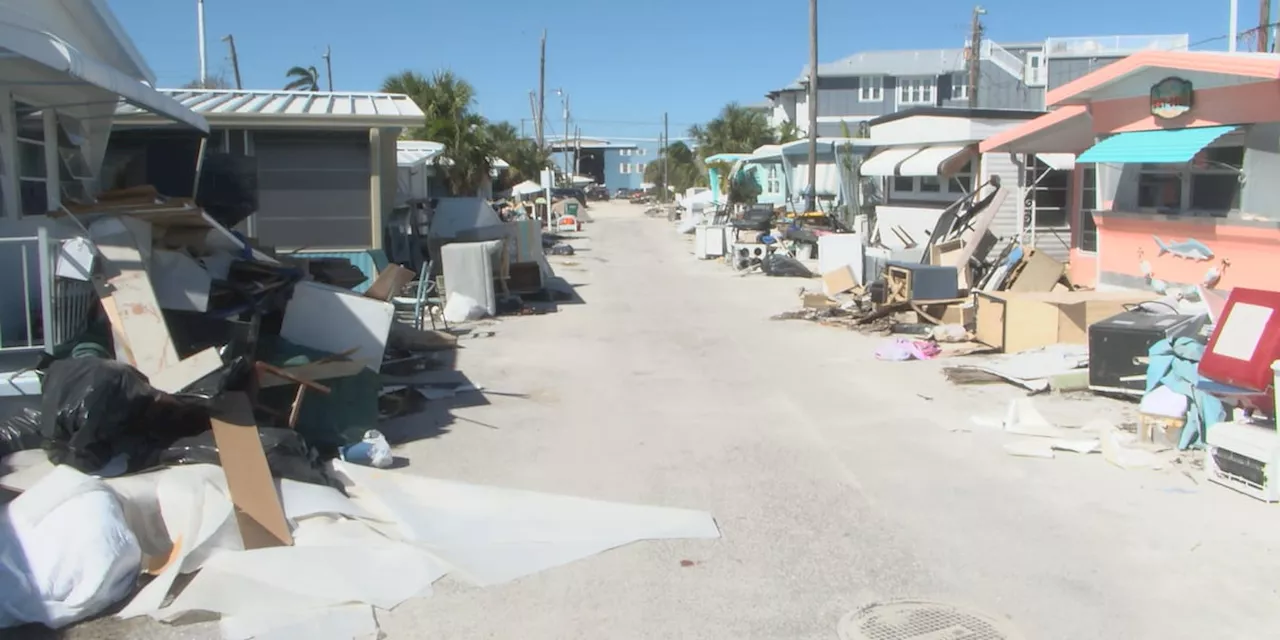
x=623, y=63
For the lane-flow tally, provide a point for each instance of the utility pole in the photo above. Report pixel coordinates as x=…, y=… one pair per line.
x=1233, y=28
x=542, y=91
x=328, y=67
x=810, y=200
x=1264, y=26
x=235, y=60
x=666, y=158
x=204, y=63
x=577, y=150
x=565, y=140
x=975, y=55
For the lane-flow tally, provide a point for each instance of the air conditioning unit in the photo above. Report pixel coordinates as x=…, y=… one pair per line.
x=1244, y=457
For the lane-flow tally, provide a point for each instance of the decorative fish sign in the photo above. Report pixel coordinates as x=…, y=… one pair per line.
x=1189, y=249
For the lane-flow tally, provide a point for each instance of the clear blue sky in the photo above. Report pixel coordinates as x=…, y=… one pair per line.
x=622, y=62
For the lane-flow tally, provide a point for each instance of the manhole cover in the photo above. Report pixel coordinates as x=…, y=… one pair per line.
x=920, y=620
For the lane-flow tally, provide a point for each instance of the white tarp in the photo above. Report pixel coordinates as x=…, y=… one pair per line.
x=388, y=542
x=455, y=215
x=827, y=183
x=526, y=188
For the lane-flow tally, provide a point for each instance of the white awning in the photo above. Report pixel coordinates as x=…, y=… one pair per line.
x=885, y=163
x=48, y=51
x=1058, y=161
x=929, y=161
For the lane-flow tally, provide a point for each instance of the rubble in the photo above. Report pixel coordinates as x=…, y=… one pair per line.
x=249, y=386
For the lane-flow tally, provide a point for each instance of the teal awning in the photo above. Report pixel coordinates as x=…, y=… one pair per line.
x=1163, y=145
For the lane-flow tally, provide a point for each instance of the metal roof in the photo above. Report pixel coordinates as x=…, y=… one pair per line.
x=259, y=108
x=410, y=153
x=924, y=62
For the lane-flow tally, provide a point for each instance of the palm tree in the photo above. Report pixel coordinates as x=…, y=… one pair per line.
x=302, y=79
x=527, y=160
x=736, y=130
x=446, y=101
x=685, y=170
x=788, y=132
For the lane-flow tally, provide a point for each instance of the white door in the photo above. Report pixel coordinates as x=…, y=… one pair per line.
x=1035, y=70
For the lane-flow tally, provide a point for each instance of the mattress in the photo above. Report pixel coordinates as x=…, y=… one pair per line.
x=469, y=269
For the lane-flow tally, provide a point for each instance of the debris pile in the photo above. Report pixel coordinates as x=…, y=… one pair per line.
x=252, y=390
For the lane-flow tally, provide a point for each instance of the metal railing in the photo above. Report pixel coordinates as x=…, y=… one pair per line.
x=60, y=309
x=1002, y=57
x=1113, y=45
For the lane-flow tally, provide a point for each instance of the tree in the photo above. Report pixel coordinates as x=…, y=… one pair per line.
x=469, y=143
x=788, y=132
x=302, y=79
x=685, y=170
x=736, y=130
x=527, y=160
x=217, y=81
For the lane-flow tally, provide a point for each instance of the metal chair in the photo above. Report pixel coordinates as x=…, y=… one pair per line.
x=430, y=296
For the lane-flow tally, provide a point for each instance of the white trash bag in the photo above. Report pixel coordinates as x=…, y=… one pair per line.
x=66, y=552
x=460, y=307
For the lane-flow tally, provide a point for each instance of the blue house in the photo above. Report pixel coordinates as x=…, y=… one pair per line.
x=613, y=164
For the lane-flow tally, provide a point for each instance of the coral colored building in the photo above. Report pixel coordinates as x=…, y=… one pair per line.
x=1177, y=177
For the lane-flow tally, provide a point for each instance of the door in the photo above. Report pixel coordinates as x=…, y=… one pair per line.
x=1035, y=70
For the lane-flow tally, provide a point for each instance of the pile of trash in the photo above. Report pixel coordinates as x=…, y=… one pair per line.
x=207, y=413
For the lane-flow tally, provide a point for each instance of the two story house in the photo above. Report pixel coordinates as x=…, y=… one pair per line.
x=856, y=92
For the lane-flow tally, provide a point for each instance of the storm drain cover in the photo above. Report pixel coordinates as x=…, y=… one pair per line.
x=921, y=620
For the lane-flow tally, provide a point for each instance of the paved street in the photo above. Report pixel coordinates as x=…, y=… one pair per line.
x=835, y=479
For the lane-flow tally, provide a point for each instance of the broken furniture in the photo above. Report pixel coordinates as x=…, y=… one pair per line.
x=1237, y=362
x=906, y=281
x=1014, y=322
x=1245, y=457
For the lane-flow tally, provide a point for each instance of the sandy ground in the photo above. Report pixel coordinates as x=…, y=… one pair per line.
x=837, y=480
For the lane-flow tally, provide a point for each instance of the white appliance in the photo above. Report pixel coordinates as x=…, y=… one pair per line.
x=1244, y=457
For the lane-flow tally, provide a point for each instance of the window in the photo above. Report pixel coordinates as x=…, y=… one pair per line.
x=918, y=90
x=870, y=89
x=624, y=168
x=1210, y=183
x=32, y=176
x=1087, y=230
x=771, y=183
x=933, y=187
x=639, y=167
x=1046, y=202
x=640, y=152
x=960, y=86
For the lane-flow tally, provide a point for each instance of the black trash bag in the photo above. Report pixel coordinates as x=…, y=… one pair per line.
x=288, y=455
x=777, y=264
x=21, y=432
x=95, y=409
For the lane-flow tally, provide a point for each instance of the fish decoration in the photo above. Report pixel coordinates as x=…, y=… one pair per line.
x=1190, y=293
x=1189, y=249
x=1159, y=286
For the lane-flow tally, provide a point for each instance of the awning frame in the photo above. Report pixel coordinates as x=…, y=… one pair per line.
x=1158, y=146
x=936, y=160
x=895, y=155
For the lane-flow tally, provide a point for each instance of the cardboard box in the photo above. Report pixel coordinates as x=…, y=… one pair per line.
x=1040, y=272
x=948, y=254
x=1013, y=321
x=839, y=281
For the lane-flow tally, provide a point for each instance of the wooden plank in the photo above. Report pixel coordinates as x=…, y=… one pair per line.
x=128, y=285
x=312, y=371
x=259, y=511
x=177, y=378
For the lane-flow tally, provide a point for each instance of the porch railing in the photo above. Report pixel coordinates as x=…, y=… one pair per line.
x=39, y=310
x=1109, y=46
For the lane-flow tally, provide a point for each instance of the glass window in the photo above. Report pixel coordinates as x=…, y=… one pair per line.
x=960, y=86
x=930, y=184
x=901, y=183
x=870, y=89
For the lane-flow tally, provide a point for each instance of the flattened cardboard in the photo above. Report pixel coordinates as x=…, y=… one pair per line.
x=1040, y=272
x=259, y=511
x=838, y=281
x=389, y=282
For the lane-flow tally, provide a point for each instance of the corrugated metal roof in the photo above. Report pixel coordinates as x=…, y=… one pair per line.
x=235, y=106
x=924, y=62
x=1161, y=145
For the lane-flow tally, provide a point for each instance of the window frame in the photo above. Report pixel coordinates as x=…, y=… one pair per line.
x=772, y=183
x=1185, y=174
x=870, y=88
x=948, y=189
x=960, y=89
x=1082, y=239
x=624, y=168
x=924, y=88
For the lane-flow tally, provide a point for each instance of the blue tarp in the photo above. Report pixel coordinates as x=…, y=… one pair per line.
x=1176, y=365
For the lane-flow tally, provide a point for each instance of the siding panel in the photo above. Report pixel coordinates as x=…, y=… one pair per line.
x=1005, y=225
